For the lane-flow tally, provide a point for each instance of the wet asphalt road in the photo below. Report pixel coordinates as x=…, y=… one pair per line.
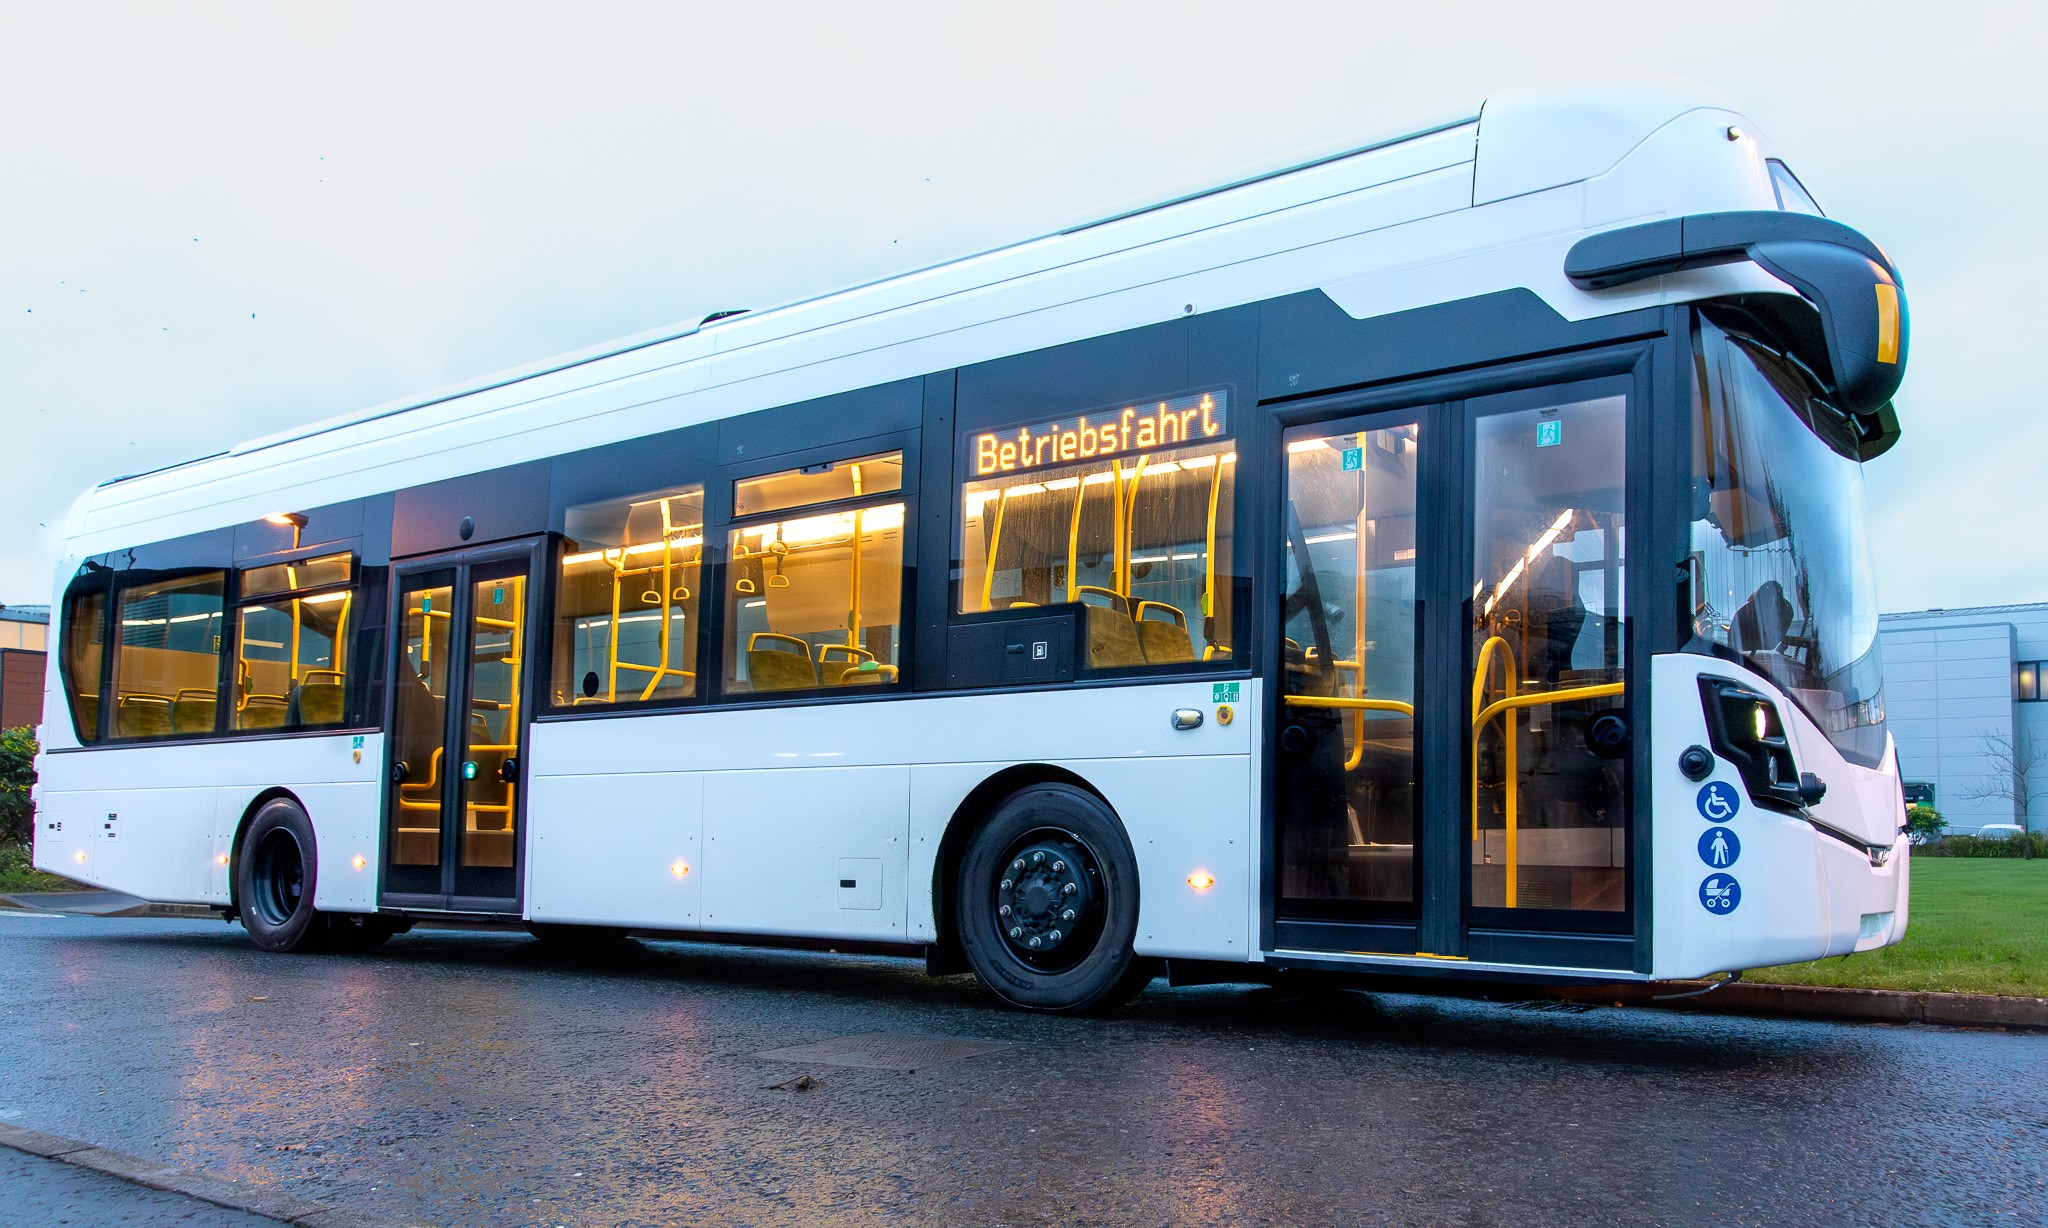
x=481, y=1079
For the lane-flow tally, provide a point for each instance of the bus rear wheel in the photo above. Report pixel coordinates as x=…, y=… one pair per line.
x=1047, y=904
x=274, y=880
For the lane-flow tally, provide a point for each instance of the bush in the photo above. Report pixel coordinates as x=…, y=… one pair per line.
x=1986, y=846
x=17, y=775
x=1924, y=823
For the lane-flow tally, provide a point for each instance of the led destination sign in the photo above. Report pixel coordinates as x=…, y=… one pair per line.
x=1182, y=420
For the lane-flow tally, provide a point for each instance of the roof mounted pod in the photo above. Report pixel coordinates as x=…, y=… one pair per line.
x=1852, y=282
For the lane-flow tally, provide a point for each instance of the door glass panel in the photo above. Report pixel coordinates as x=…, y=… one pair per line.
x=1348, y=780
x=419, y=731
x=490, y=736
x=1549, y=809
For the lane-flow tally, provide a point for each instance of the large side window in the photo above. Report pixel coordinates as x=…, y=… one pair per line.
x=291, y=645
x=84, y=649
x=167, y=657
x=814, y=578
x=626, y=624
x=1126, y=512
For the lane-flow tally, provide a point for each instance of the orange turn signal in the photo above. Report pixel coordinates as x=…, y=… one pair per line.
x=1201, y=880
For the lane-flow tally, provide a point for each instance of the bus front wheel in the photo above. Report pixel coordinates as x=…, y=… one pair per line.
x=274, y=880
x=1047, y=904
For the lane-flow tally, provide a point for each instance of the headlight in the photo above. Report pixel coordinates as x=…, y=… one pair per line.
x=1748, y=731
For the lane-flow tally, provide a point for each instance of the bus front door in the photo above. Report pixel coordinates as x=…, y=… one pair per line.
x=1450, y=766
x=459, y=697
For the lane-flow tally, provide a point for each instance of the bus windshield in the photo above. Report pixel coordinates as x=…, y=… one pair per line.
x=1781, y=575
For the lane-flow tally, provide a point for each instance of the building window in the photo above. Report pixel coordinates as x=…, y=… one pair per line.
x=626, y=610
x=291, y=645
x=167, y=657
x=1126, y=513
x=815, y=601
x=2028, y=682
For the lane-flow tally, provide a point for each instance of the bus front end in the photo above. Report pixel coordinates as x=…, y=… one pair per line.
x=1780, y=819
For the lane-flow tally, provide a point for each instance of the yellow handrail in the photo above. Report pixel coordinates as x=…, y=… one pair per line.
x=995, y=541
x=1509, y=704
x=1351, y=703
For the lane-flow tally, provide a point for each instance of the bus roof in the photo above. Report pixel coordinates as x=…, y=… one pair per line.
x=1508, y=148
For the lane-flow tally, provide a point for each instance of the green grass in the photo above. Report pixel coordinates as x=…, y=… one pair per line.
x=17, y=874
x=1977, y=925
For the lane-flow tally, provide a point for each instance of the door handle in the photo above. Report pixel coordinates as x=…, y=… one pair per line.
x=508, y=771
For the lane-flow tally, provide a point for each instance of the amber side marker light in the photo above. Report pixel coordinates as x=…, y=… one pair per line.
x=359, y=861
x=220, y=859
x=1201, y=880
x=679, y=869
x=79, y=857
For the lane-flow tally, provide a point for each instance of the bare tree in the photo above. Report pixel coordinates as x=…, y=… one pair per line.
x=2013, y=760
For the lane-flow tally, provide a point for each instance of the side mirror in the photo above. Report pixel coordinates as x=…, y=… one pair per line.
x=1844, y=275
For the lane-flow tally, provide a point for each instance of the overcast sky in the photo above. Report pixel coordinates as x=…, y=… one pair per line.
x=219, y=220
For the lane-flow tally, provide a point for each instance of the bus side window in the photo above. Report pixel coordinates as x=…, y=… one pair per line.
x=1140, y=539
x=85, y=640
x=167, y=657
x=291, y=667
x=815, y=600
x=626, y=623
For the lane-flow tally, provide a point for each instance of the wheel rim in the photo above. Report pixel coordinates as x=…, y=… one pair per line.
x=1049, y=899
x=278, y=877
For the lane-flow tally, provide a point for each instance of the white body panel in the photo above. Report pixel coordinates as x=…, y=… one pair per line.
x=791, y=795
x=179, y=808
x=1804, y=894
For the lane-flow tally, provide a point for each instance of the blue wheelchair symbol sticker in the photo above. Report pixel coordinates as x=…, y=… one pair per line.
x=1719, y=847
x=1720, y=893
x=1718, y=801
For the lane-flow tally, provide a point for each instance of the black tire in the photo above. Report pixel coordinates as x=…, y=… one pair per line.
x=1029, y=944
x=275, y=877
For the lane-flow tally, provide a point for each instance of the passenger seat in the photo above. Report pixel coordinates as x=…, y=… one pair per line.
x=1165, y=640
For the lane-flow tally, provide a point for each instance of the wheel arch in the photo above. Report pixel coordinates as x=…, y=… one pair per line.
x=980, y=802
x=263, y=798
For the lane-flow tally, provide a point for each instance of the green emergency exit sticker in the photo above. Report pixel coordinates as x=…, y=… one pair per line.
x=1549, y=434
x=1354, y=459
x=1223, y=693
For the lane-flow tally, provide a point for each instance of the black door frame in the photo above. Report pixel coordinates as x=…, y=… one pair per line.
x=1656, y=431
x=531, y=553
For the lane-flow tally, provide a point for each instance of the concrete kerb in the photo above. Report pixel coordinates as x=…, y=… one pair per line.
x=273, y=1204
x=1828, y=1003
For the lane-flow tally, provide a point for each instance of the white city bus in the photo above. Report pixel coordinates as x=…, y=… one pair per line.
x=1445, y=559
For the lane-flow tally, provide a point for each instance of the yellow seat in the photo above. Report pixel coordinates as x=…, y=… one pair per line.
x=785, y=666
x=1111, y=635
x=193, y=711
x=1165, y=640
x=143, y=716
x=322, y=698
x=263, y=712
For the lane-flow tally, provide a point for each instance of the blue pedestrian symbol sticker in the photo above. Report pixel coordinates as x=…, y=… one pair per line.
x=1720, y=893
x=1718, y=801
x=1719, y=847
